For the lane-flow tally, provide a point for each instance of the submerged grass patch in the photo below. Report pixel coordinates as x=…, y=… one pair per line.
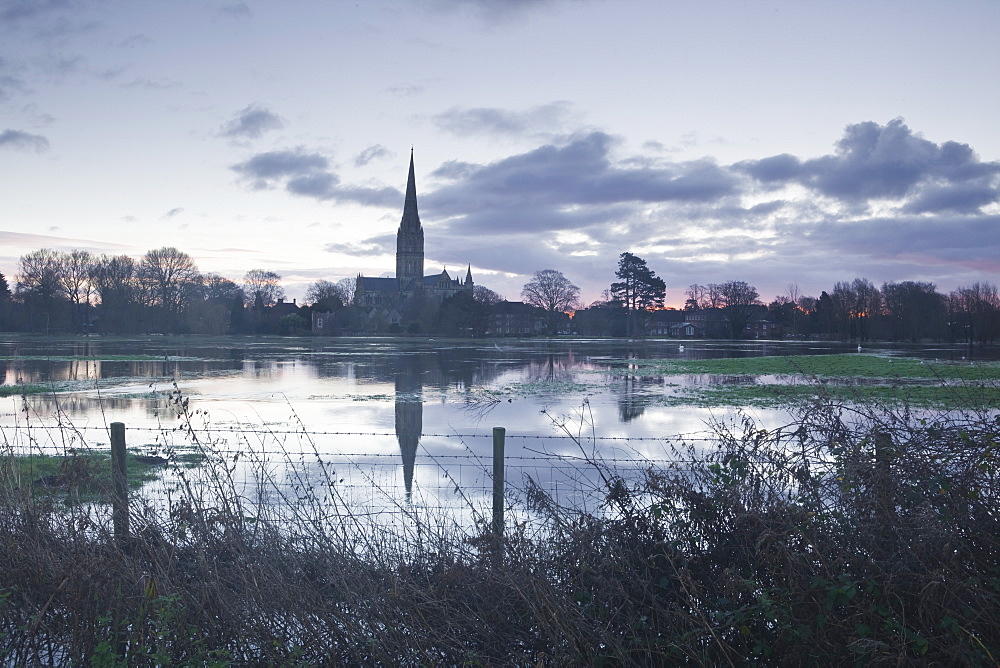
x=823, y=366
x=99, y=358
x=14, y=390
x=776, y=381
x=943, y=397
x=86, y=476
x=542, y=388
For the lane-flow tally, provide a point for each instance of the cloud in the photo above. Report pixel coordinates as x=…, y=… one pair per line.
x=60, y=243
x=133, y=41
x=19, y=10
x=235, y=10
x=565, y=185
x=309, y=175
x=405, y=90
x=11, y=80
x=886, y=204
x=173, y=212
x=493, y=12
x=888, y=162
x=265, y=168
x=494, y=121
x=381, y=245
x=251, y=122
x=371, y=153
x=23, y=141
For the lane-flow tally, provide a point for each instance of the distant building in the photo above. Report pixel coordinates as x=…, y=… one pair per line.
x=516, y=319
x=386, y=298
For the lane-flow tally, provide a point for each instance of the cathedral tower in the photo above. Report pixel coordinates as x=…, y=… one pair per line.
x=410, y=240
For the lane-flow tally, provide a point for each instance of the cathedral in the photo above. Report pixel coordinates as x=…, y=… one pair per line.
x=410, y=286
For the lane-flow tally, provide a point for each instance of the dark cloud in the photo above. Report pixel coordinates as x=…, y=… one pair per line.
x=23, y=141
x=371, y=153
x=320, y=185
x=20, y=10
x=958, y=198
x=264, y=168
x=966, y=241
x=309, y=175
x=493, y=121
x=874, y=162
x=381, y=197
x=567, y=185
x=252, y=122
x=781, y=168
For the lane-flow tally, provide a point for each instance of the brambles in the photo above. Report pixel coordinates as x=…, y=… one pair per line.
x=852, y=535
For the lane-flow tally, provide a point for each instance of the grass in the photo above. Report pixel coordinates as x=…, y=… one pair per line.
x=86, y=476
x=23, y=388
x=824, y=366
x=775, y=381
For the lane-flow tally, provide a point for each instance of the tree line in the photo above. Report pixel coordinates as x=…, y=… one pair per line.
x=163, y=291
x=854, y=310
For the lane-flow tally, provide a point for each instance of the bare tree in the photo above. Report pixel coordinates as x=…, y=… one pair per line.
x=221, y=290
x=484, y=295
x=262, y=288
x=325, y=296
x=39, y=275
x=116, y=283
x=347, y=286
x=738, y=300
x=552, y=292
x=39, y=286
x=166, y=271
x=75, y=269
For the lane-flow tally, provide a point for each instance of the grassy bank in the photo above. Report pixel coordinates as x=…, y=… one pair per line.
x=861, y=379
x=855, y=535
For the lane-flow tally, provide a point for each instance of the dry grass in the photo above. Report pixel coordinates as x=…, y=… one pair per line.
x=849, y=536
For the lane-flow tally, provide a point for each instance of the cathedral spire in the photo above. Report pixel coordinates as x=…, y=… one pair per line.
x=410, y=240
x=410, y=221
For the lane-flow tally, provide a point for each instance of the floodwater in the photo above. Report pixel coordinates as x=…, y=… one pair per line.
x=413, y=411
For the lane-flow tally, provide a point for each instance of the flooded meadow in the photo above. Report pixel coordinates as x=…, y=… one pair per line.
x=415, y=416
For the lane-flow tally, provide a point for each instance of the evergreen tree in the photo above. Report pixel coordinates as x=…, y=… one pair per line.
x=639, y=289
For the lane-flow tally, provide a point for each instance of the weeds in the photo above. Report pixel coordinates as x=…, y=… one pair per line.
x=852, y=535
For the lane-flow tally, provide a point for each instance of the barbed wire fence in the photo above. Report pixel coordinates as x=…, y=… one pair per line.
x=445, y=474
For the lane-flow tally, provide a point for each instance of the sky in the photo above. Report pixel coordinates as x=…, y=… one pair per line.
x=778, y=143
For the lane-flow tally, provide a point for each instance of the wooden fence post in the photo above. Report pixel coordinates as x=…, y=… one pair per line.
x=119, y=479
x=498, y=523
